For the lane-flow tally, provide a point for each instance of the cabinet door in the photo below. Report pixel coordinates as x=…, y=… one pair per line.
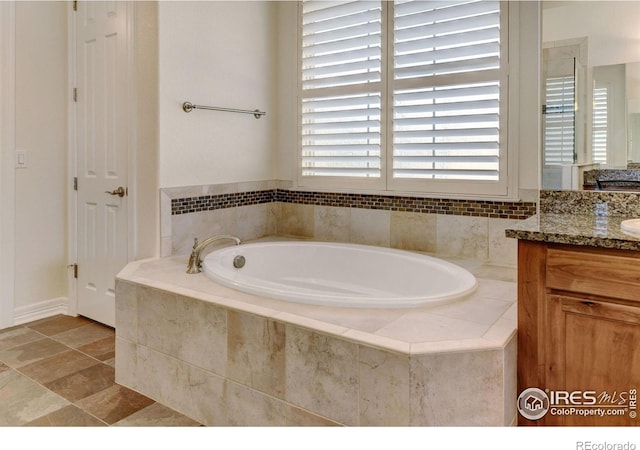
x=593, y=346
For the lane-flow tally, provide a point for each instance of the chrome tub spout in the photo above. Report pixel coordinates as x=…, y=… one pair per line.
x=195, y=261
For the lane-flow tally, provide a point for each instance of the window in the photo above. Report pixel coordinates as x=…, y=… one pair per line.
x=404, y=96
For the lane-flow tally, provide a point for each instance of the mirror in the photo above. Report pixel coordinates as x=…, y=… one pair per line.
x=591, y=95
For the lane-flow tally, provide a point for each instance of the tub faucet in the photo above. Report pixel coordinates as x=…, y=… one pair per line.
x=195, y=262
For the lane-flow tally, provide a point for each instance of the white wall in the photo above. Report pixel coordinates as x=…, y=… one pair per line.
x=529, y=55
x=611, y=26
x=217, y=54
x=287, y=90
x=7, y=173
x=41, y=130
x=147, y=204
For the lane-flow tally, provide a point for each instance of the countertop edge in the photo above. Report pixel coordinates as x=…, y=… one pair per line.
x=575, y=229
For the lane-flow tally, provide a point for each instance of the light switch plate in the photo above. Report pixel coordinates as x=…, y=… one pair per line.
x=21, y=159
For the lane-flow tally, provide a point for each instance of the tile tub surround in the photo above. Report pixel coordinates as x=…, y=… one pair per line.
x=254, y=210
x=225, y=358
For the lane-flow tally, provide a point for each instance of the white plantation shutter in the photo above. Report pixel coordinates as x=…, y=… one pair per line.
x=452, y=132
x=341, y=83
x=440, y=37
x=600, y=124
x=437, y=101
x=444, y=127
x=559, y=120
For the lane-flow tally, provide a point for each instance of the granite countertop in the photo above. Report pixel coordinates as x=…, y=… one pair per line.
x=590, y=230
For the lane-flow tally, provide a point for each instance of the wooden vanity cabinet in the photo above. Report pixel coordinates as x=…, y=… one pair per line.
x=579, y=325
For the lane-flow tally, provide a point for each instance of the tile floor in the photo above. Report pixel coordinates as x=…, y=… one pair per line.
x=60, y=372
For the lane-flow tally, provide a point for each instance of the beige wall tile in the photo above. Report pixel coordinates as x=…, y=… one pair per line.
x=502, y=290
x=186, y=191
x=463, y=236
x=165, y=215
x=157, y=326
x=201, y=334
x=457, y=389
x=497, y=271
x=203, y=396
x=166, y=380
x=247, y=407
x=256, y=352
x=253, y=221
x=322, y=375
x=370, y=227
x=273, y=217
x=166, y=246
x=510, y=380
x=186, y=227
x=126, y=310
x=502, y=250
x=332, y=224
x=297, y=417
x=413, y=231
x=249, y=186
x=473, y=309
x=384, y=388
x=126, y=363
x=424, y=326
x=296, y=220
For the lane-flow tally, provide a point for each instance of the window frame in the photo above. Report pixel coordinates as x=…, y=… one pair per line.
x=504, y=188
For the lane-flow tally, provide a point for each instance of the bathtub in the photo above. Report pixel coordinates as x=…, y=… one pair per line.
x=336, y=274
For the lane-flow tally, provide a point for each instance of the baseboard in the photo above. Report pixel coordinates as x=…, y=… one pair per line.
x=41, y=310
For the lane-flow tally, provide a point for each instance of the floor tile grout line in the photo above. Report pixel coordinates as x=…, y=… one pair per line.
x=70, y=403
x=27, y=327
x=18, y=371
x=52, y=337
x=74, y=348
x=44, y=336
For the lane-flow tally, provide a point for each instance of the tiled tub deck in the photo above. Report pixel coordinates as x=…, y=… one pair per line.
x=225, y=358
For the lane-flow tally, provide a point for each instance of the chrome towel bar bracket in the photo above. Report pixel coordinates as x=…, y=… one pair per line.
x=188, y=107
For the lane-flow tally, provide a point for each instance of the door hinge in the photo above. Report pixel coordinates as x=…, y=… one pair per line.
x=75, y=5
x=74, y=266
x=75, y=183
x=75, y=95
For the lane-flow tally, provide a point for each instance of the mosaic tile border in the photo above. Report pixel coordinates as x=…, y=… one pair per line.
x=458, y=207
x=220, y=201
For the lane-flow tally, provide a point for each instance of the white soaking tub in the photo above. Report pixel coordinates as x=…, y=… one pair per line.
x=336, y=274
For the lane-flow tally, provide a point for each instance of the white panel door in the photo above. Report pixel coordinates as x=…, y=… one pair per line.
x=102, y=154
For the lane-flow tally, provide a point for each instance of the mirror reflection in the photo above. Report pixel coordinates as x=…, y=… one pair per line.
x=591, y=95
